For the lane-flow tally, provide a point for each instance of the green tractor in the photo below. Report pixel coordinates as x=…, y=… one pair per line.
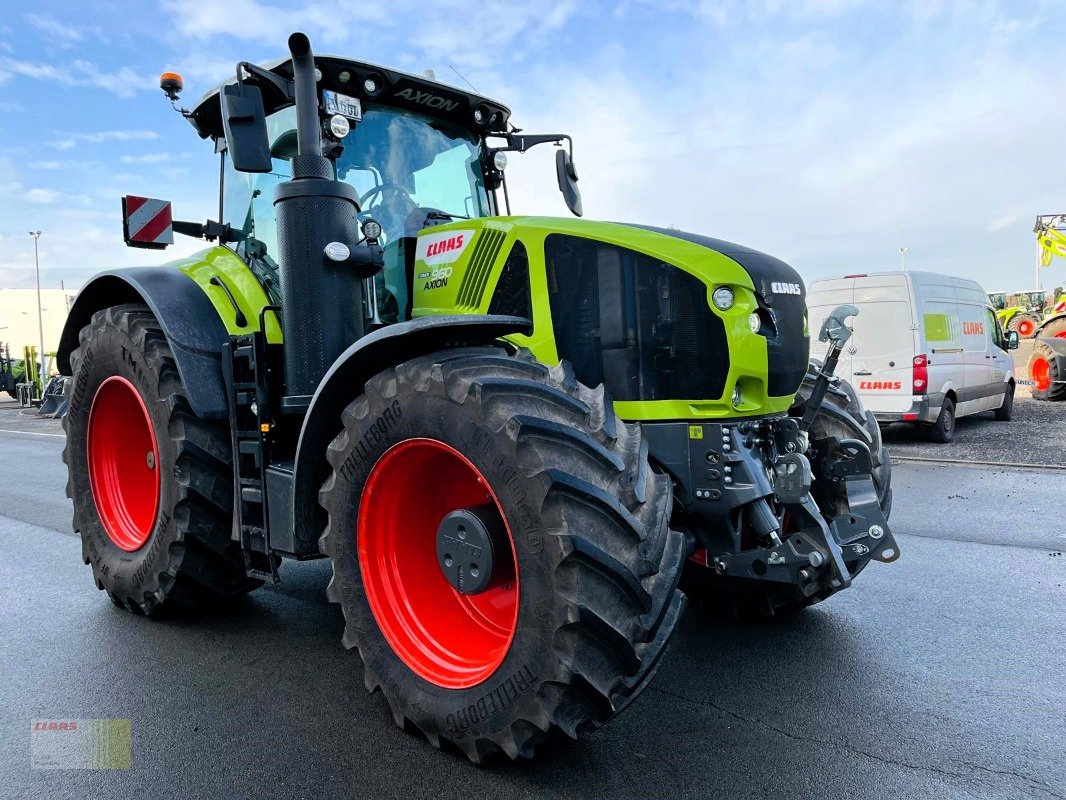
x=514, y=437
x=1020, y=311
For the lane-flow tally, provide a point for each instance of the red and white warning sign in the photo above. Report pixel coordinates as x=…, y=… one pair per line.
x=147, y=222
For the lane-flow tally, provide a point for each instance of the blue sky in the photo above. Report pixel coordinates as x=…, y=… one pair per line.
x=827, y=132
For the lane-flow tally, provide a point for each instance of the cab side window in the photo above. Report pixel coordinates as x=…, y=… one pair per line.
x=992, y=323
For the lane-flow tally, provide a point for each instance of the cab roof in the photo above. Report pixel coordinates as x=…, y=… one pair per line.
x=346, y=76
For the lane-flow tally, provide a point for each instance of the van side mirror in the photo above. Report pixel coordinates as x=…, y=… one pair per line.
x=244, y=120
x=1013, y=340
x=567, y=175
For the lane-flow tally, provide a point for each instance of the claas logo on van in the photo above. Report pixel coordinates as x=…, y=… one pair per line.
x=973, y=329
x=883, y=385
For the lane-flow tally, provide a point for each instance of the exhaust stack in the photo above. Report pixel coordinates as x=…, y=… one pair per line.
x=322, y=299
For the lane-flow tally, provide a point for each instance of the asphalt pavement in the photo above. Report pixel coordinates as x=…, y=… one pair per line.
x=941, y=675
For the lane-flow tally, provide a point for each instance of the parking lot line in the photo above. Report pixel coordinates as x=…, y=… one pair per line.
x=34, y=433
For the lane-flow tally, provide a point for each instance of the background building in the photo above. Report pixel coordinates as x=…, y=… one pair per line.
x=18, y=317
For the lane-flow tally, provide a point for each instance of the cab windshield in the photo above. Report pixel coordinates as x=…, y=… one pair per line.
x=403, y=165
x=411, y=171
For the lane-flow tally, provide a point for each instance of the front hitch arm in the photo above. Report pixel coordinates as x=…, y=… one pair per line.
x=836, y=333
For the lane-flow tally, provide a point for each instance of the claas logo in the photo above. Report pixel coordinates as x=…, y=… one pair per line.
x=880, y=385
x=445, y=246
x=973, y=329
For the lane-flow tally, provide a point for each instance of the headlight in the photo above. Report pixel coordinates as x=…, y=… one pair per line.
x=499, y=160
x=737, y=398
x=754, y=322
x=723, y=298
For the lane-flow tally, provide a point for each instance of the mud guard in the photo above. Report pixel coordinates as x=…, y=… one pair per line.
x=375, y=352
x=192, y=326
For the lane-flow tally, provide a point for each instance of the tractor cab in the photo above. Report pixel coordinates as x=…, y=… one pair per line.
x=417, y=152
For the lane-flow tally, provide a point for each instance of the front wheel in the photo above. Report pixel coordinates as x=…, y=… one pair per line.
x=501, y=550
x=1024, y=324
x=1006, y=411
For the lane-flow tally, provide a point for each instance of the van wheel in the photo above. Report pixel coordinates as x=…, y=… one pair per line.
x=1006, y=411
x=943, y=430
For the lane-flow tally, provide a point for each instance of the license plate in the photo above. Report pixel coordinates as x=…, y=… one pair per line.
x=342, y=104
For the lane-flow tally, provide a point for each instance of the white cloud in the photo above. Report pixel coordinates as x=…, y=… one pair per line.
x=148, y=158
x=43, y=196
x=44, y=165
x=123, y=82
x=71, y=140
x=54, y=29
x=252, y=20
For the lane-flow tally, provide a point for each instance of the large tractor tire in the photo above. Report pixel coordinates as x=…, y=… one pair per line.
x=152, y=484
x=501, y=550
x=1024, y=324
x=1047, y=370
x=841, y=416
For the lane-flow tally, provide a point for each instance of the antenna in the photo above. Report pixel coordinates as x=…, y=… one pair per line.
x=468, y=83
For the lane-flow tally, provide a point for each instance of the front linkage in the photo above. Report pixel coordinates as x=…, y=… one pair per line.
x=746, y=493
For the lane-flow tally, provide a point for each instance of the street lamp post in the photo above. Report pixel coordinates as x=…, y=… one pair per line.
x=40, y=312
x=902, y=252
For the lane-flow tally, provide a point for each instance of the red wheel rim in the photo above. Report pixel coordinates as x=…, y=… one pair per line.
x=123, y=463
x=1059, y=335
x=1025, y=327
x=1040, y=372
x=450, y=639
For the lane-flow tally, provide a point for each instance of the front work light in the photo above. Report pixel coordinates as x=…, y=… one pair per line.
x=723, y=298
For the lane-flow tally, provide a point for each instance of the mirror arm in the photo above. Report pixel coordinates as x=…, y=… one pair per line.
x=209, y=230
x=519, y=143
x=287, y=89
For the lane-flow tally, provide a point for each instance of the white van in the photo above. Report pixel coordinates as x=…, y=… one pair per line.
x=927, y=348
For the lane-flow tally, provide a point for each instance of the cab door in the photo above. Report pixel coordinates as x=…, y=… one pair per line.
x=999, y=359
x=977, y=360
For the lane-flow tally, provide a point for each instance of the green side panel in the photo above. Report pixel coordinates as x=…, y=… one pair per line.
x=225, y=265
x=937, y=327
x=458, y=265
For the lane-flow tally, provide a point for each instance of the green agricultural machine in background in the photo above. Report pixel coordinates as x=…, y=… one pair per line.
x=1047, y=363
x=1019, y=311
x=514, y=437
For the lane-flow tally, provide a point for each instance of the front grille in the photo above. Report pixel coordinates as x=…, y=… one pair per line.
x=640, y=327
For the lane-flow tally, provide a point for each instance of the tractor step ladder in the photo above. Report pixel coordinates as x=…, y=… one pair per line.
x=250, y=424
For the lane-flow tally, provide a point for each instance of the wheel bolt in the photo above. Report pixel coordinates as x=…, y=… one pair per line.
x=150, y=460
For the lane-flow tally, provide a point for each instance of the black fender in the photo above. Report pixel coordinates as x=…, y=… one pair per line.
x=190, y=322
x=384, y=348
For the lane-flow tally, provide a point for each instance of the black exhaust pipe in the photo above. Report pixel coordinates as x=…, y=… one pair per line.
x=322, y=301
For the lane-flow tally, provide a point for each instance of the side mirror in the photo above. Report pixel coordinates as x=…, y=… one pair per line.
x=244, y=120
x=1013, y=340
x=567, y=175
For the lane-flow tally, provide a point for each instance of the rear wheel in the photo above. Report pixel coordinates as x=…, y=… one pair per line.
x=943, y=430
x=501, y=550
x=151, y=483
x=841, y=416
x=1047, y=371
x=1024, y=324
